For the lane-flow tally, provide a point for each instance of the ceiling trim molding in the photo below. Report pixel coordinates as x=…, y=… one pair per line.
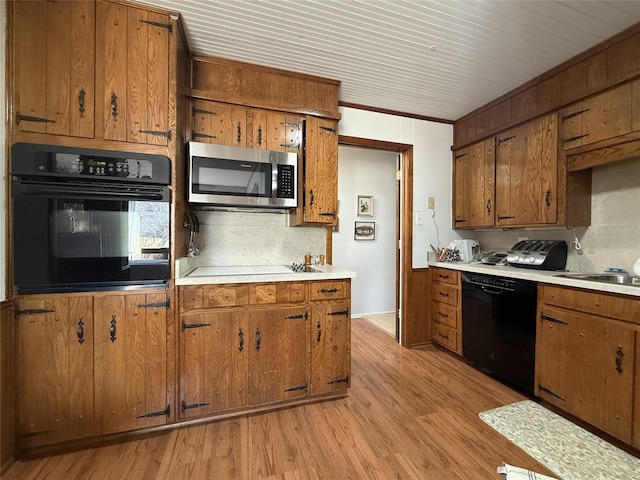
x=395, y=112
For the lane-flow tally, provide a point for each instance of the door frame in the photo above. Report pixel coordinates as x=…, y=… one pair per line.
x=408, y=334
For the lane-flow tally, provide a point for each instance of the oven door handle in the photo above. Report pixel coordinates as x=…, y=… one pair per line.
x=89, y=192
x=494, y=290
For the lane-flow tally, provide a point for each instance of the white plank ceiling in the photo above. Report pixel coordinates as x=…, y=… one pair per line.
x=438, y=58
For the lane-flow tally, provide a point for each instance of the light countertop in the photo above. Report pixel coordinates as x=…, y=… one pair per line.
x=542, y=276
x=188, y=272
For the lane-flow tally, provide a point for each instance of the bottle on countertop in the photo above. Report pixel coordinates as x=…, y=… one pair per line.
x=636, y=267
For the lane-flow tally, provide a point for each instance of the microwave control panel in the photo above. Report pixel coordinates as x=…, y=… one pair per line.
x=286, y=181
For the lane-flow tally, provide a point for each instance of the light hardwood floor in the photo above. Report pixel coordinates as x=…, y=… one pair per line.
x=410, y=414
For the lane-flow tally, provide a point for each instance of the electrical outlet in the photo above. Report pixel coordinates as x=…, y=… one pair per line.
x=431, y=203
x=419, y=219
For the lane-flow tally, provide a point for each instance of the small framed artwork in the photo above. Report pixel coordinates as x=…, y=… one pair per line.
x=365, y=205
x=365, y=231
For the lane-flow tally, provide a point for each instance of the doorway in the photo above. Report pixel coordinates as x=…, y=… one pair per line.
x=368, y=177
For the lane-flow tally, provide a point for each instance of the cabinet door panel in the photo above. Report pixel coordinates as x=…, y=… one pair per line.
x=278, y=365
x=526, y=174
x=55, y=370
x=214, y=364
x=133, y=55
x=321, y=171
x=55, y=61
x=586, y=366
x=330, y=347
x=473, y=185
x=131, y=359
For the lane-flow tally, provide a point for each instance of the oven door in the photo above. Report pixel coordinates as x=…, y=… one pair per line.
x=71, y=236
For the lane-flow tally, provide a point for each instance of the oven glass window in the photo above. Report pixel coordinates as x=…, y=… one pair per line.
x=73, y=244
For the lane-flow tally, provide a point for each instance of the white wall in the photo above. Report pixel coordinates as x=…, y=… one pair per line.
x=367, y=172
x=432, y=143
x=3, y=152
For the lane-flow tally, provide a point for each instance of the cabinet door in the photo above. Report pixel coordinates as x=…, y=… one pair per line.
x=585, y=365
x=214, y=352
x=131, y=361
x=474, y=171
x=219, y=123
x=276, y=131
x=330, y=347
x=526, y=174
x=55, y=370
x=279, y=356
x=601, y=117
x=321, y=171
x=54, y=60
x=133, y=73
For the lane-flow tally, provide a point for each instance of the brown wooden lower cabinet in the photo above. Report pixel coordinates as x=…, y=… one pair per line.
x=266, y=344
x=446, y=308
x=90, y=365
x=586, y=360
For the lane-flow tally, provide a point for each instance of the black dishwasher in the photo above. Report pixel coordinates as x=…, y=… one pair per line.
x=499, y=327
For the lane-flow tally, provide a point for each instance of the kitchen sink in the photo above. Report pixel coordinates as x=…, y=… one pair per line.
x=617, y=278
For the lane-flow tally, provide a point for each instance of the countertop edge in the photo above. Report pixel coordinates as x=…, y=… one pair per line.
x=540, y=276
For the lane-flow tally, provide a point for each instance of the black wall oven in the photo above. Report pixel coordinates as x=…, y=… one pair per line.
x=87, y=220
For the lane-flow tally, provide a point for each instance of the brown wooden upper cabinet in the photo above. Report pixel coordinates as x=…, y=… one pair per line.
x=473, y=185
x=91, y=69
x=219, y=123
x=54, y=60
x=276, y=131
x=600, y=117
x=527, y=173
x=320, y=175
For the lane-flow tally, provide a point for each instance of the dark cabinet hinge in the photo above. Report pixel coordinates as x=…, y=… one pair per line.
x=186, y=406
x=551, y=319
x=329, y=129
x=505, y=217
x=162, y=413
x=291, y=124
x=460, y=156
x=459, y=221
x=157, y=133
x=34, y=311
x=194, y=325
x=29, y=118
x=290, y=145
x=294, y=317
x=341, y=312
x=553, y=394
x=202, y=135
x=195, y=110
x=574, y=114
x=573, y=139
x=505, y=139
x=293, y=389
x=165, y=304
x=339, y=380
x=158, y=24
x=328, y=214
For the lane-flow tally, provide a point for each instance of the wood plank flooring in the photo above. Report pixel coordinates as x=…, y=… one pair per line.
x=410, y=414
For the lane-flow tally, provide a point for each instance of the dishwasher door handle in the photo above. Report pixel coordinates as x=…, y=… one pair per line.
x=494, y=290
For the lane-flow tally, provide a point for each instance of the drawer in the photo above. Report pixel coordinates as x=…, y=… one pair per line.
x=330, y=290
x=190, y=297
x=281, y=292
x=444, y=275
x=445, y=293
x=445, y=336
x=444, y=313
x=589, y=301
x=225, y=295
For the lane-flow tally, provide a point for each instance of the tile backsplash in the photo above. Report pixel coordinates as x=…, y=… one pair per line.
x=247, y=238
x=612, y=239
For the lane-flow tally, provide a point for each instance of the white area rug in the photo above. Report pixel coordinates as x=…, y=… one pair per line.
x=566, y=449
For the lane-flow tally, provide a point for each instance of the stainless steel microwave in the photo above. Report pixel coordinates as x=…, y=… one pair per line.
x=226, y=176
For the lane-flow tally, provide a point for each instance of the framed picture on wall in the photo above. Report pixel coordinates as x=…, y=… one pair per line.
x=364, y=231
x=365, y=205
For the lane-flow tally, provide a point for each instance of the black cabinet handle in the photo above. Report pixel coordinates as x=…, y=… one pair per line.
x=489, y=207
x=311, y=198
x=81, y=95
x=260, y=135
x=319, y=329
x=112, y=329
x=547, y=198
x=239, y=133
x=240, y=340
x=80, y=331
x=329, y=290
x=619, y=355
x=257, y=339
x=114, y=105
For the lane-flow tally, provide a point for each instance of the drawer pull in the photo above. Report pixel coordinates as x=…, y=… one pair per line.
x=80, y=331
x=329, y=290
x=443, y=276
x=112, y=329
x=443, y=336
x=319, y=329
x=443, y=315
x=443, y=294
